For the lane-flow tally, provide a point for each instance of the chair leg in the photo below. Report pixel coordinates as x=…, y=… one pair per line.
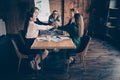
x=68, y=67
x=83, y=62
x=19, y=64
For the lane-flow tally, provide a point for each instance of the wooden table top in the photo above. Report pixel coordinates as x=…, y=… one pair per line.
x=63, y=44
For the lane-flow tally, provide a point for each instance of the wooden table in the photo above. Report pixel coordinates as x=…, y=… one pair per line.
x=63, y=44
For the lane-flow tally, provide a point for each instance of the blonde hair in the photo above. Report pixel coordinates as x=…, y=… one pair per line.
x=81, y=27
x=80, y=23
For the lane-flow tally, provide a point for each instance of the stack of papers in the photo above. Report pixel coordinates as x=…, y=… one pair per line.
x=56, y=38
x=42, y=39
x=59, y=38
x=64, y=37
x=53, y=38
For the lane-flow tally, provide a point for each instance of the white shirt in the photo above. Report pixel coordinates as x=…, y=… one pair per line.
x=33, y=29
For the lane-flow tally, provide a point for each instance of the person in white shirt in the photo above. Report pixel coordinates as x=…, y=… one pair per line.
x=32, y=33
x=33, y=29
x=34, y=10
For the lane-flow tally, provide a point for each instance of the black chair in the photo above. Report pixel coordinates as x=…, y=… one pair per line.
x=20, y=49
x=85, y=41
x=20, y=55
x=7, y=56
x=22, y=36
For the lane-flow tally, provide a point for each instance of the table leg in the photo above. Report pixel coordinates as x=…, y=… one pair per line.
x=41, y=61
x=64, y=51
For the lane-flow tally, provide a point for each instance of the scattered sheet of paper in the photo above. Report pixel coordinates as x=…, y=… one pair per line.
x=59, y=38
x=56, y=39
x=42, y=39
x=53, y=38
x=64, y=37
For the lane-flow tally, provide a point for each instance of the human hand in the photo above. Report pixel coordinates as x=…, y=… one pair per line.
x=56, y=24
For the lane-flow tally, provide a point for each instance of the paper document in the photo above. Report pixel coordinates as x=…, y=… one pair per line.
x=42, y=39
x=59, y=38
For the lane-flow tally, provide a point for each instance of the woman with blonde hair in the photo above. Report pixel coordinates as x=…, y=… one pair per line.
x=76, y=31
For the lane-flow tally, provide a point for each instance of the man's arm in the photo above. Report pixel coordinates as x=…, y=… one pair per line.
x=40, y=22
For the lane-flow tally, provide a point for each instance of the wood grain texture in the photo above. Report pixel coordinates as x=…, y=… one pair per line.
x=81, y=5
x=14, y=12
x=64, y=44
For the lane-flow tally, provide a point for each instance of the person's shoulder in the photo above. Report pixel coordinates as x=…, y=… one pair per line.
x=50, y=16
x=38, y=21
x=71, y=25
x=31, y=24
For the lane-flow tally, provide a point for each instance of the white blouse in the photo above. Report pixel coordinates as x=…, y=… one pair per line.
x=33, y=29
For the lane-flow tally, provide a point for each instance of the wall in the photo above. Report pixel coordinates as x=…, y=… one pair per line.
x=13, y=11
x=81, y=5
x=56, y=5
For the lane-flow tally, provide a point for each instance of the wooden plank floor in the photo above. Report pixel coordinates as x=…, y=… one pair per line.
x=102, y=63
